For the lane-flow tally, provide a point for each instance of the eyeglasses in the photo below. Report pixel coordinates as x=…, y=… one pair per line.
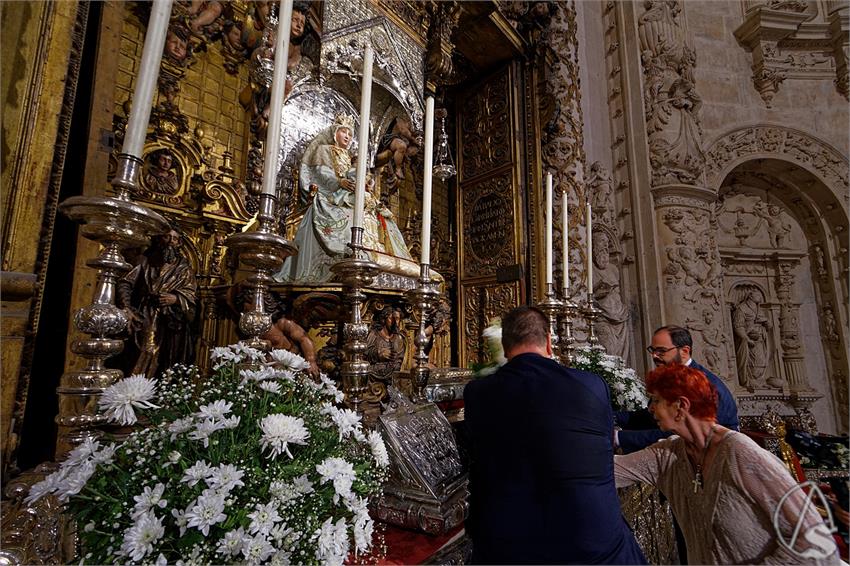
x=660, y=351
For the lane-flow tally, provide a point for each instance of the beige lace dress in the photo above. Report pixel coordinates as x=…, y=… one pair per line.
x=730, y=520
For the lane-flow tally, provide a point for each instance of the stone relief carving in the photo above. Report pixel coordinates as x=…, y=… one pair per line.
x=786, y=43
x=747, y=220
x=795, y=146
x=670, y=97
x=751, y=330
x=693, y=259
x=613, y=328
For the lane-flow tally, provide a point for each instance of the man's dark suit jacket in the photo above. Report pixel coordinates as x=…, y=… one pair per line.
x=542, y=468
x=634, y=440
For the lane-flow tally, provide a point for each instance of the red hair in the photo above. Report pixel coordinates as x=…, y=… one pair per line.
x=676, y=380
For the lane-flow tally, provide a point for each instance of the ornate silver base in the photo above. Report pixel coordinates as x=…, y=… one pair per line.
x=265, y=251
x=356, y=272
x=427, y=486
x=423, y=298
x=117, y=224
x=569, y=311
x=551, y=306
x=592, y=313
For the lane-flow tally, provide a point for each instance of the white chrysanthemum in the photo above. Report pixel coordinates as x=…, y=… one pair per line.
x=279, y=431
x=280, y=558
x=285, y=375
x=248, y=353
x=270, y=386
x=256, y=549
x=200, y=470
x=225, y=477
x=263, y=518
x=363, y=528
x=257, y=375
x=379, y=449
x=48, y=485
x=118, y=399
x=105, y=455
x=346, y=420
x=332, y=542
x=75, y=480
x=302, y=484
x=204, y=429
x=217, y=410
x=289, y=360
x=232, y=542
x=139, y=539
x=180, y=426
x=341, y=473
x=83, y=451
x=149, y=499
x=231, y=422
x=283, y=492
x=207, y=510
x=180, y=520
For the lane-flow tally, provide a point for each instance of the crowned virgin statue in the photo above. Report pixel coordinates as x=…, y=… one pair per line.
x=328, y=174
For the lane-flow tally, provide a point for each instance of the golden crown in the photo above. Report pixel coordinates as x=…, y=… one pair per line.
x=343, y=121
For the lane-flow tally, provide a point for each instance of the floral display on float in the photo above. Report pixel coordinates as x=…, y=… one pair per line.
x=255, y=464
x=628, y=392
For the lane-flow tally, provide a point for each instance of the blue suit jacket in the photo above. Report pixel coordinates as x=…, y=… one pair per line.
x=634, y=440
x=542, y=469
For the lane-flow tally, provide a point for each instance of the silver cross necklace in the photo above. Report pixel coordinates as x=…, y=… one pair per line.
x=699, y=480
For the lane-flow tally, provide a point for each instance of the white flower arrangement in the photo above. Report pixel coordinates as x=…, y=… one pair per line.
x=250, y=465
x=628, y=392
x=494, y=353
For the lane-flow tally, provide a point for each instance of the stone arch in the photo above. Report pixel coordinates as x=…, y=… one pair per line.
x=759, y=141
x=807, y=179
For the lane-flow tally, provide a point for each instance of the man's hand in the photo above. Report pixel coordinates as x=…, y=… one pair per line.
x=313, y=370
x=346, y=184
x=167, y=299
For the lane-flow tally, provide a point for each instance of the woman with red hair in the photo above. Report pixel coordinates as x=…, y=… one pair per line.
x=735, y=502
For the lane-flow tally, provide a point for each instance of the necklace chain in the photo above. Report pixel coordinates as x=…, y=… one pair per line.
x=698, y=478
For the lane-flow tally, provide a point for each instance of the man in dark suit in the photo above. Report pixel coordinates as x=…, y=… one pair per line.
x=541, y=461
x=671, y=345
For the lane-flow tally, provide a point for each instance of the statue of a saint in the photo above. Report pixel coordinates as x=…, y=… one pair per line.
x=385, y=345
x=159, y=297
x=396, y=146
x=327, y=172
x=751, y=348
x=613, y=327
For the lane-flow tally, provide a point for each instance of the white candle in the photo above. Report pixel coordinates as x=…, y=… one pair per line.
x=281, y=60
x=425, y=238
x=363, y=137
x=549, y=280
x=137, y=123
x=589, y=250
x=565, y=241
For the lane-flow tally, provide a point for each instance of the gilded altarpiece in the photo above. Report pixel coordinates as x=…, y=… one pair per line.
x=489, y=208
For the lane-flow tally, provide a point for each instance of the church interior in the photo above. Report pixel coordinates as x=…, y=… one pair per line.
x=419, y=168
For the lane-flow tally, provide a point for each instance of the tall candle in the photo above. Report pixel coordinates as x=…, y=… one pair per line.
x=137, y=123
x=281, y=60
x=565, y=241
x=589, y=250
x=363, y=137
x=549, y=280
x=425, y=239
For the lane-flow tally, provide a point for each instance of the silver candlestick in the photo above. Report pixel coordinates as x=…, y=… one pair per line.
x=552, y=306
x=264, y=250
x=356, y=271
x=423, y=298
x=592, y=313
x=569, y=311
x=117, y=224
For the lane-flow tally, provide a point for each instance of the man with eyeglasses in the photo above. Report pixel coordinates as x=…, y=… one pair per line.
x=670, y=345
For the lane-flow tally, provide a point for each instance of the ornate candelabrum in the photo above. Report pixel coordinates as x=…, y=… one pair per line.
x=264, y=250
x=552, y=306
x=356, y=271
x=569, y=310
x=423, y=298
x=592, y=313
x=116, y=223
